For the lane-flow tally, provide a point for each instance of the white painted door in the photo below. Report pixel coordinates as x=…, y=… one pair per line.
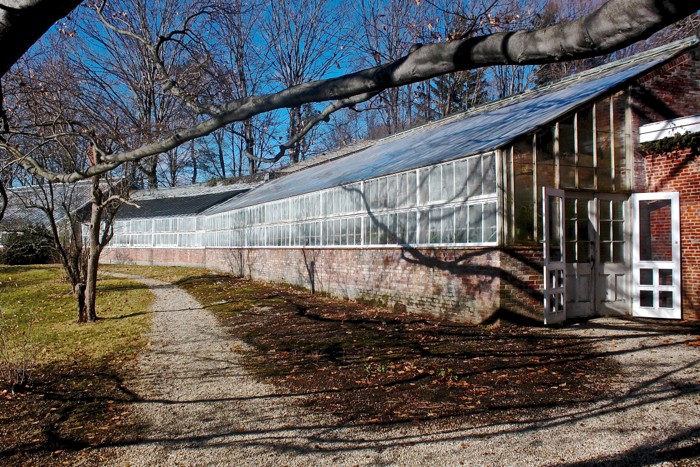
x=656, y=256
x=612, y=262
x=580, y=235
x=554, y=256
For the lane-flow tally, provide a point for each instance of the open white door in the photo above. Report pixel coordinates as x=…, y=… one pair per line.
x=554, y=256
x=656, y=256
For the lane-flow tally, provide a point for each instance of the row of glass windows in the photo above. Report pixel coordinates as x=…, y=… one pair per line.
x=453, y=202
x=474, y=223
x=161, y=224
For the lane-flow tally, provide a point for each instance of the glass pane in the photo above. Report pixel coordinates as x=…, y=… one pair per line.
x=490, y=232
x=461, y=224
x=618, y=231
x=665, y=277
x=620, y=144
x=412, y=189
x=665, y=299
x=424, y=218
x=448, y=235
x=475, y=223
x=584, y=136
x=474, y=182
x=435, y=183
x=617, y=213
x=391, y=192
x=423, y=186
x=382, y=193
x=605, y=231
x=655, y=230
x=555, y=234
x=489, y=167
x=618, y=252
x=523, y=192
x=411, y=228
x=448, y=183
x=646, y=276
x=567, y=161
x=603, y=144
x=391, y=228
x=646, y=298
x=545, y=158
x=435, y=220
x=461, y=176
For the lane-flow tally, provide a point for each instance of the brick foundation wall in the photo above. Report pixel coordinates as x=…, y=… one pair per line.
x=680, y=171
x=474, y=285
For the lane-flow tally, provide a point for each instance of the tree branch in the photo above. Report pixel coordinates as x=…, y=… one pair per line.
x=322, y=116
x=614, y=25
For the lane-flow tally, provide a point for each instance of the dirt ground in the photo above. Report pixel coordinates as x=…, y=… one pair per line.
x=370, y=365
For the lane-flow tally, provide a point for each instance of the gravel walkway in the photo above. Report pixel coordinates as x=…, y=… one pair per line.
x=201, y=408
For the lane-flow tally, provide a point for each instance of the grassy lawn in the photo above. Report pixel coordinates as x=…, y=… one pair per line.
x=75, y=398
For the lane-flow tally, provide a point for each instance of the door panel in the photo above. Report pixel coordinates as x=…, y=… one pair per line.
x=656, y=256
x=554, y=256
x=612, y=255
x=580, y=245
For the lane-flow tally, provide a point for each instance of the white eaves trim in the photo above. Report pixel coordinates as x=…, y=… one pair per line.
x=669, y=128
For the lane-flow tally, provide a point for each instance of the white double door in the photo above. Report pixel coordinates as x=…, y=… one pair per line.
x=595, y=263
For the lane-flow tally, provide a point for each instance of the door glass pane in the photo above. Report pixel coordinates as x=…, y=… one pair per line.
x=665, y=277
x=646, y=276
x=555, y=233
x=646, y=298
x=655, y=230
x=665, y=299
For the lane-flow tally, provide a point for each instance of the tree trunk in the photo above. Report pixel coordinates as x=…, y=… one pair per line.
x=87, y=312
x=80, y=296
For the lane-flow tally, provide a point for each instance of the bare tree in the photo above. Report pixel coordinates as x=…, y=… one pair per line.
x=306, y=39
x=389, y=31
x=47, y=121
x=122, y=75
x=614, y=25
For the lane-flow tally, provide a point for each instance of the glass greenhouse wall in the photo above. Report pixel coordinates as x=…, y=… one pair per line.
x=453, y=203
x=587, y=151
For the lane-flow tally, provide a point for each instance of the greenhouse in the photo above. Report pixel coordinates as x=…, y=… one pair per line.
x=522, y=207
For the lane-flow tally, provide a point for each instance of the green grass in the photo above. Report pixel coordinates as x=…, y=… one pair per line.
x=171, y=274
x=39, y=295
x=76, y=398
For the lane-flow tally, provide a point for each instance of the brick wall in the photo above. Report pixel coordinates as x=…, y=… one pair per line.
x=669, y=92
x=680, y=171
x=474, y=285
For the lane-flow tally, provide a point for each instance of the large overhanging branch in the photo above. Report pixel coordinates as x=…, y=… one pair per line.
x=613, y=26
x=22, y=22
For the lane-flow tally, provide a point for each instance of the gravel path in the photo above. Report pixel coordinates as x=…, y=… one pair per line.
x=201, y=408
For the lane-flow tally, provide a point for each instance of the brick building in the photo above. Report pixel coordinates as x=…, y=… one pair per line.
x=541, y=206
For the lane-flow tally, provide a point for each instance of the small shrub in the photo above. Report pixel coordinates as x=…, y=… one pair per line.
x=29, y=247
x=17, y=352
